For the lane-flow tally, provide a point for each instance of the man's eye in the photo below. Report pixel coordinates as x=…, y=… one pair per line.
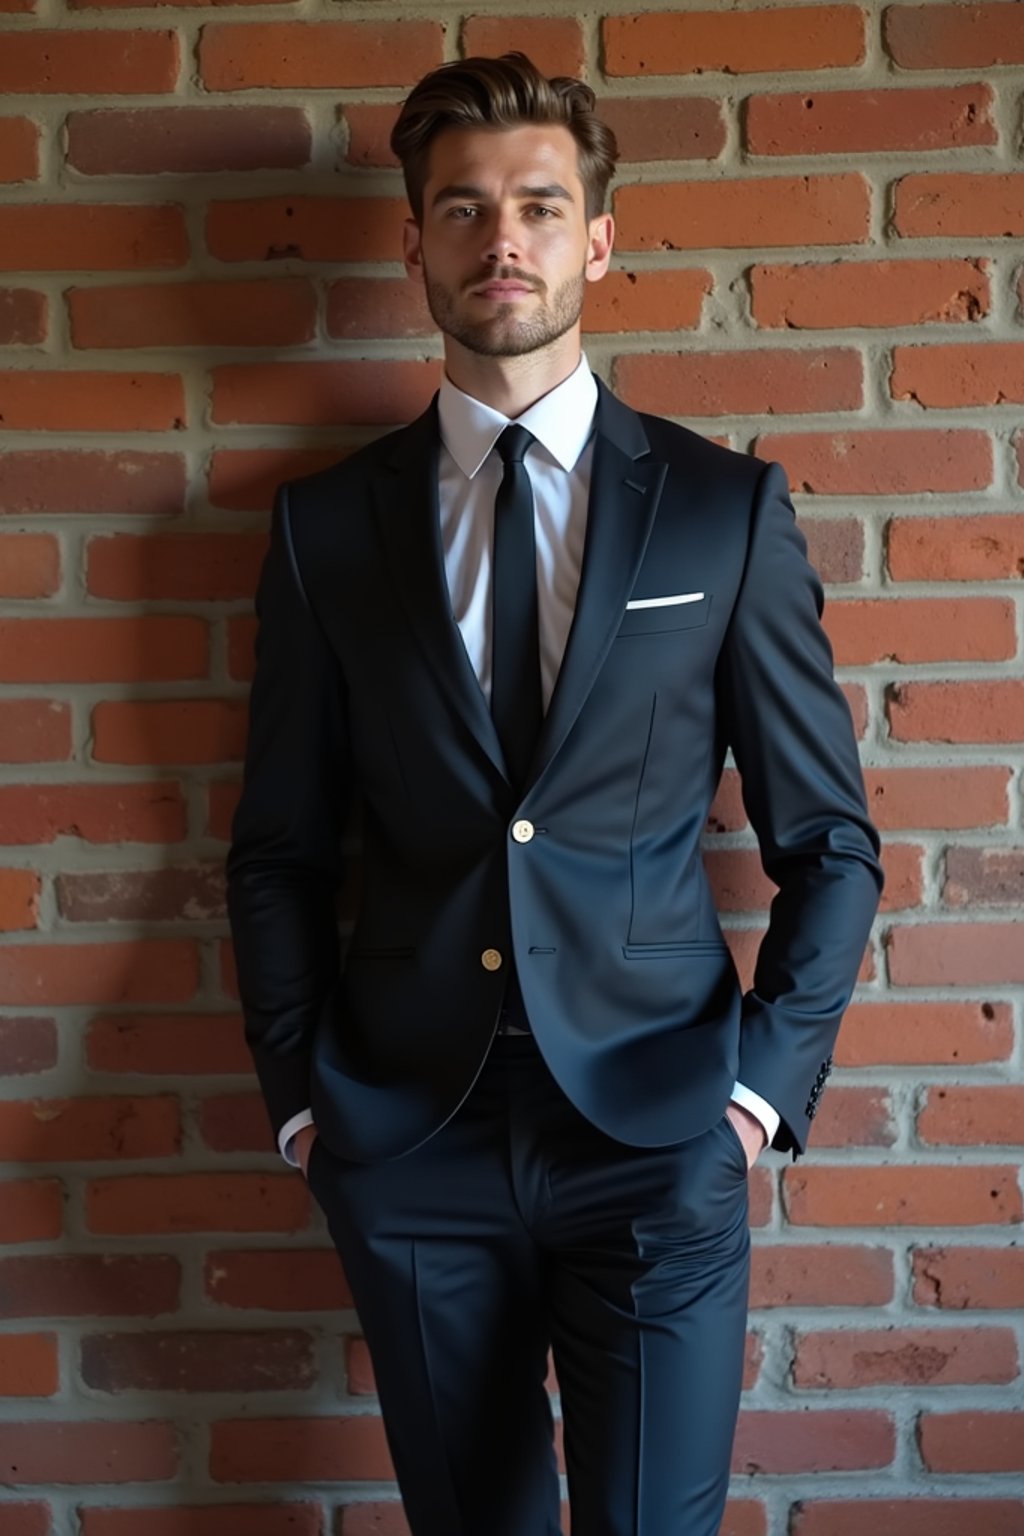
x=544, y=212
x=466, y=212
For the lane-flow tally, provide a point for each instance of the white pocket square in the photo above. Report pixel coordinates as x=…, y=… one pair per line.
x=665, y=602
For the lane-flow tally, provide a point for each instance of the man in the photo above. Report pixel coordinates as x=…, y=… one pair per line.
x=524, y=631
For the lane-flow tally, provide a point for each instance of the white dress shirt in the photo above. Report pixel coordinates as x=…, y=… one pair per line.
x=470, y=472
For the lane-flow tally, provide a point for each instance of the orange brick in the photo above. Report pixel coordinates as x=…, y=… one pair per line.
x=989, y=374
x=145, y=971
x=769, y=381
x=360, y=307
x=19, y=900
x=92, y=1127
x=23, y=1519
x=159, y=1044
x=866, y=122
x=971, y=1442
x=96, y=813
x=29, y=565
x=143, y=648
x=901, y=1196
x=348, y=1448
x=983, y=1115
x=906, y=630
x=554, y=43
x=943, y=798
x=882, y=463
x=827, y=1440
x=261, y=312
x=170, y=731
x=317, y=55
x=982, y=548
x=82, y=237
x=23, y=317
x=82, y=62
x=665, y=127
x=89, y=1452
x=34, y=731
x=950, y=1516
x=670, y=43
x=369, y=132
x=841, y=294
x=31, y=1210
x=827, y=1275
x=954, y=37
x=971, y=1278
x=751, y=211
x=357, y=393
x=963, y=712
x=914, y=1357
x=288, y=1279
x=192, y=140
x=19, y=147
x=305, y=229
x=960, y=203
x=75, y=481
x=38, y=399
x=913, y=1034
x=956, y=955
x=197, y=1202
x=192, y=567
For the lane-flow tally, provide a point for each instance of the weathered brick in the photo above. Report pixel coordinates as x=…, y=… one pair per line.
x=942, y=798
x=882, y=463
x=305, y=228
x=827, y=1440
x=29, y=565
x=189, y=892
x=288, y=1279
x=906, y=630
x=24, y=317
x=955, y=955
x=192, y=140
x=855, y=1117
x=329, y=1449
x=196, y=1202
x=969, y=1278
x=866, y=122
x=752, y=40
x=97, y=237
x=968, y=711
x=317, y=55
x=680, y=127
x=20, y=890
x=987, y=374
x=89, y=1285
x=72, y=480
x=901, y=1196
x=34, y=731
x=282, y=1519
x=901, y=1356
x=270, y=312
x=145, y=971
x=954, y=37
x=931, y=1033
x=28, y=1044
x=88, y=1452
x=985, y=877
x=83, y=62
x=989, y=1114
x=554, y=43
x=31, y=1210
x=199, y=1360
x=913, y=1516
x=960, y=203
x=769, y=381
x=167, y=1043
x=73, y=400
x=820, y=1275
x=842, y=294
x=981, y=548
x=763, y=210
x=93, y=1126
x=142, y=648
x=169, y=731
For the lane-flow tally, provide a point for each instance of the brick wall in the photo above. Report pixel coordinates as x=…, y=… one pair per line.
x=820, y=213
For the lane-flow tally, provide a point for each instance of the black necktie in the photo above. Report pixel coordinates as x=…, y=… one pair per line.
x=515, y=639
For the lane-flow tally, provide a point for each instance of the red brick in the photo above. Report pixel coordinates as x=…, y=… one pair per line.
x=956, y=955
x=835, y=546
x=175, y=893
x=317, y=55
x=193, y=567
x=97, y=237
x=842, y=294
x=988, y=374
x=199, y=1360
x=170, y=731
x=95, y=813
x=737, y=880
x=285, y=1519
x=378, y=1518
x=901, y=1196
x=29, y=565
x=31, y=1210
x=104, y=1127
x=962, y=711
x=989, y=1115
x=62, y=400
x=882, y=463
x=992, y=877
x=930, y=1033
x=967, y=1279
x=369, y=132
x=769, y=381
x=23, y=317
x=145, y=971
x=87, y=63
x=827, y=1440
x=359, y=307
x=954, y=37
x=260, y=312
x=28, y=1044
x=768, y=41
x=554, y=43
x=971, y=1442
x=21, y=1519
x=348, y=1448
x=833, y=1275
x=196, y=1202
x=855, y=1117
x=356, y=393
x=222, y=800
x=20, y=890
x=244, y=479
x=906, y=630
x=88, y=1453
x=143, y=648
x=235, y=1122
x=650, y=128
x=19, y=146
x=982, y=548
x=34, y=731
x=908, y=1517
x=153, y=141
x=960, y=203
x=306, y=229
x=901, y=1356
x=167, y=1043
x=28, y=1366
x=277, y=1280
x=744, y=212
x=89, y=1285
x=866, y=122
x=942, y=798
x=80, y=481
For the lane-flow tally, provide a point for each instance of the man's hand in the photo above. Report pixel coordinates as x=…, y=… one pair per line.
x=749, y=1130
x=304, y=1140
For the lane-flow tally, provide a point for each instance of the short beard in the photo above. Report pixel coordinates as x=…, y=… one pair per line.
x=503, y=335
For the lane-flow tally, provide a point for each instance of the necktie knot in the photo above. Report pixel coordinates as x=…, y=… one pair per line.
x=514, y=444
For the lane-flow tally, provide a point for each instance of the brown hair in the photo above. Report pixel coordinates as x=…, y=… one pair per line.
x=501, y=93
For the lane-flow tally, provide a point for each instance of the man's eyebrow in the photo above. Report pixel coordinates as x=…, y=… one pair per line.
x=549, y=191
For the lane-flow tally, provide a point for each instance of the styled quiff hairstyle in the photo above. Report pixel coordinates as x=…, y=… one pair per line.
x=508, y=92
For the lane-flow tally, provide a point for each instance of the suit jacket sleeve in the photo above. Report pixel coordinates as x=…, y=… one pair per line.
x=284, y=865
x=792, y=738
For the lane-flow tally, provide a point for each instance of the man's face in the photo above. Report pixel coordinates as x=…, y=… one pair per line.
x=504, y=247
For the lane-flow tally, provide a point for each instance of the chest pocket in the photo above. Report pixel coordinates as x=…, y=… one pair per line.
x=691, y=613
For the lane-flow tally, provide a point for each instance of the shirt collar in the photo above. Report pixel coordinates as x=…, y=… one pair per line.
x=561, y=421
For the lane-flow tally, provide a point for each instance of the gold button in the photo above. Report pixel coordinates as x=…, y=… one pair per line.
x=522, y=831
x=491, y=960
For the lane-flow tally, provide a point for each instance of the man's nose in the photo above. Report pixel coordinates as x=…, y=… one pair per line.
x=502, y=241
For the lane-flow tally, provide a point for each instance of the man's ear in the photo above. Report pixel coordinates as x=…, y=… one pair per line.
x=599, y=250
x=412, y=248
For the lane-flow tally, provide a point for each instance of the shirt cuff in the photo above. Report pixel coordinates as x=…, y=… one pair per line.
x=286, y=1135
x=746, y=1098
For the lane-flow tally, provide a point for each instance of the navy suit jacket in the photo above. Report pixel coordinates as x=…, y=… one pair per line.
x=363, y=687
